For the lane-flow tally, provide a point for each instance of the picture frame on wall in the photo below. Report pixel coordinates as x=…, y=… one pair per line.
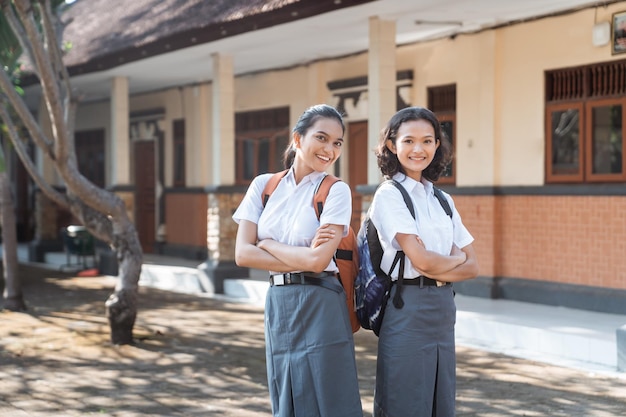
x=618, y=33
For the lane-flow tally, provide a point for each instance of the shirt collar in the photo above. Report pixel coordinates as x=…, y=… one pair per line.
x=314, y=177
x=412, y=186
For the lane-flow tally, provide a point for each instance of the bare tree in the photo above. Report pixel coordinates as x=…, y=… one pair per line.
x=102, y=212
x=12, y=294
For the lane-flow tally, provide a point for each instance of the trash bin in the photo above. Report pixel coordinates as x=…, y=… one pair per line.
x=79, y=243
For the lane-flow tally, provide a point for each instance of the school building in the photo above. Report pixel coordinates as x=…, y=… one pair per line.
x=183, y=103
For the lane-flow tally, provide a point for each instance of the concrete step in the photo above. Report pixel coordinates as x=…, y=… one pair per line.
x=565, y=336
x=562, y=336
x=246, y=290
x=174, y=278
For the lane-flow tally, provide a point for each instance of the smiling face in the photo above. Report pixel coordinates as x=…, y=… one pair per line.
x=415, y=146
x=320, y=147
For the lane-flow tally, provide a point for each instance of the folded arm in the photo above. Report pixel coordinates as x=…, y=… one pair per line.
x=301, y=258
x=430, y=263
x=248, y=254
x=466, y=270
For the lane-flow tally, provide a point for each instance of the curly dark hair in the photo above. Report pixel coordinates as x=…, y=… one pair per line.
x=304, y=123
x=388, y=161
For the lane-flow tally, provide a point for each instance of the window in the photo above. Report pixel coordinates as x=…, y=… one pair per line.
x=261, y=138
x=179, y=152
x=442, y=101
x=585, y=112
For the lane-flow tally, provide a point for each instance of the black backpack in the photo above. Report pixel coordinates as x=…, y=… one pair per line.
x=372, y=285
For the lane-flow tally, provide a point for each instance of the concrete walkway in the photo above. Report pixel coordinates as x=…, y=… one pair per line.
x=199, y=355
x=579, y=339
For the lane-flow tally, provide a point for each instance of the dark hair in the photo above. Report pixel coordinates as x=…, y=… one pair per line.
x=388, y=161
x=304, y=123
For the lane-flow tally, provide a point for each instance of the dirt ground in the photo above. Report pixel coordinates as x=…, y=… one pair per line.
x=200, y=356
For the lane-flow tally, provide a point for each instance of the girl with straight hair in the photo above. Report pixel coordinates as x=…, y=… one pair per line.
x=311, y=368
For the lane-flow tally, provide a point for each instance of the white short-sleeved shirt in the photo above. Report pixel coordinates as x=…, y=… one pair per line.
x=432, y=225
x=289, y=216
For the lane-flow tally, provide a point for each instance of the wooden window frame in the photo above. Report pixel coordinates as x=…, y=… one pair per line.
x=564, y=178
x=269, y=123
x=590, y=176
x=449, y=117
x=275, y=162
x=585, y=88
x=442, y=102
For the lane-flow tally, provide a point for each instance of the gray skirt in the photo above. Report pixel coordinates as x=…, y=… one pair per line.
x=311, y=368
x=416, y=366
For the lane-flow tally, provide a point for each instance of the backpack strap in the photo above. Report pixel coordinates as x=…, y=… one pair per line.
x=271, y=185
x=405, y=196
x=319, y=199
x=321, y=192
x=397, y=298
x=443, y=201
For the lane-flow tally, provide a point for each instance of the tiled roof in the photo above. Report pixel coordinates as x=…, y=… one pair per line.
x=97, y=28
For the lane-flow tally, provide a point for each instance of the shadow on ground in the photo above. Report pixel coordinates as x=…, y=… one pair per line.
x=199, y=356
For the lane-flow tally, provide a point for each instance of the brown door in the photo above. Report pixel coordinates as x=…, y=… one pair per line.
x=90, y=155
x=357, y=166
x=145, y=194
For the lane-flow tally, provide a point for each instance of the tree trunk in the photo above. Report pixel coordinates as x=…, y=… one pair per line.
x=121, y=306
x=13, y=298
x=102, y=212
x=117, y=230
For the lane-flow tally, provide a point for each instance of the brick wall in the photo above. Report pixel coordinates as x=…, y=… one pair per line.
x=566, y=239
x=222, y=230
x=563, y=239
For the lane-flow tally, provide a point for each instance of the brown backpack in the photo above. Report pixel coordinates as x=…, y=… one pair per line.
x=347, y=255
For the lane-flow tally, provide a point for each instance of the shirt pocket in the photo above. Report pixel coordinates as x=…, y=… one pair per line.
x=303, y=227
x=437, y=236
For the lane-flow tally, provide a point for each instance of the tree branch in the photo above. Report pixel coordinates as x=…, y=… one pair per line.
x=48, y=80
x=18, y=30
x=93, y=196
x=6, y=85
x=56, y=54
x=98, y=224
x=53, y=194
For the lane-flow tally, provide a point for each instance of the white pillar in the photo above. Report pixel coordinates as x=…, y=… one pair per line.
x=120, y=144
x=381, y=86
x=223, y=150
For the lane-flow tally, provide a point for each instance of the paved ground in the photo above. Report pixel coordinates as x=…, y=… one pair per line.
x=200, y=356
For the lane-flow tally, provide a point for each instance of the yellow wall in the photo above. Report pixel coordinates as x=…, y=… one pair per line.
x=499, y=75
x=525, y=52
x=296, y=88
x=468, y=62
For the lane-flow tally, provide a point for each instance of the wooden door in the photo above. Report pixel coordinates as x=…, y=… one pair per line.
x=357, y=166
x=90, y=155
x=145, y=196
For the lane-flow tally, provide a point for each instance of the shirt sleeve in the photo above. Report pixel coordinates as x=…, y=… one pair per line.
x=338, y=206
x=251, y=206
x=461, y=236
x=390, y=214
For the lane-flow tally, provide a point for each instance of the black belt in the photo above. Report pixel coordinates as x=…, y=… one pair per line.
x=424, y=281
x=305, y=278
